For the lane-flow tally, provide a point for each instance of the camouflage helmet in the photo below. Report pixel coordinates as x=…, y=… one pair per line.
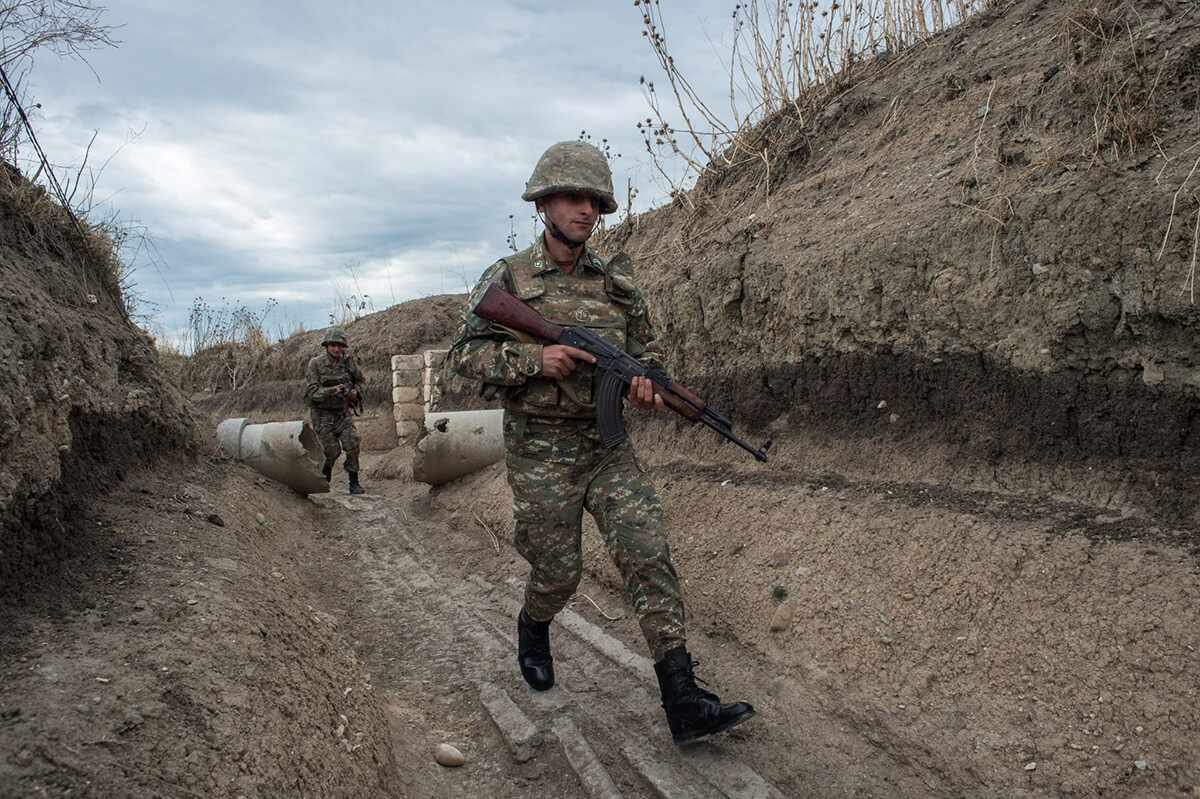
x=335, y=336
x=572, y=166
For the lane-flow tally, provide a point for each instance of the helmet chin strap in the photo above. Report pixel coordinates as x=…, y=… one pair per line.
x=561, y=237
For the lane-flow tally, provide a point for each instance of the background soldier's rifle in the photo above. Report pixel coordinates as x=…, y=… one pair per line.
x=617, y=369
x=345, y=386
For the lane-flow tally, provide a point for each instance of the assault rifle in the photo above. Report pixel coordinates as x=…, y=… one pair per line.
x=345, y=384
x=617, y=370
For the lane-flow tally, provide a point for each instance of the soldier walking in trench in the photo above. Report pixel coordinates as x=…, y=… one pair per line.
x=333, y=388
x=557, y=467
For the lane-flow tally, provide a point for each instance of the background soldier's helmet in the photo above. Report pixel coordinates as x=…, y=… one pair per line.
x=572, y=166
x=335, y=336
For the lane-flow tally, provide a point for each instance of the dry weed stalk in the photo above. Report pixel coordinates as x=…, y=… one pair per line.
x=490, y=531
x=1117, y=80
x=784, y=58
x=1191, y=281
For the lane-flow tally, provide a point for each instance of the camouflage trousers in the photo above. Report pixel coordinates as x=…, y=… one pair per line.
x=337, y=434
x=557, y=469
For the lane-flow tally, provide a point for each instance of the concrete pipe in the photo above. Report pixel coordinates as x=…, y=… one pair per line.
x=458, y=443
x=287, y=452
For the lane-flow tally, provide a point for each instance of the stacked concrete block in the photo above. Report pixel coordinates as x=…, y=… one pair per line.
x=434, y=359
x=408, y=408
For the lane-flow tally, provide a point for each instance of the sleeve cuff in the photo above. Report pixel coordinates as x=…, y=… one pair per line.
x=531, y=359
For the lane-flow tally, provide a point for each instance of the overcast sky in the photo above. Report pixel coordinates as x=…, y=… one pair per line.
x=268, y=145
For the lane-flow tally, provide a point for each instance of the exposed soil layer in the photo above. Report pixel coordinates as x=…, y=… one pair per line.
x=972, y=408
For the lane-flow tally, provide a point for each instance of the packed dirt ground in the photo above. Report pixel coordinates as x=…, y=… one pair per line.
x=898, y=638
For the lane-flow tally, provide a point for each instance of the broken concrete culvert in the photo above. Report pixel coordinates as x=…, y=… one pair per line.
x=287, y=452
x=974, y=549
x=454, y=444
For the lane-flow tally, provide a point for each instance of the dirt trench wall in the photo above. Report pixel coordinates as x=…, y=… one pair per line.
x=952, y=237
x=82, y=396
x=276, y=374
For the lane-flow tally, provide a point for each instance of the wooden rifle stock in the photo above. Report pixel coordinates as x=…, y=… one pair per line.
x=506, y=310
x=619, y=369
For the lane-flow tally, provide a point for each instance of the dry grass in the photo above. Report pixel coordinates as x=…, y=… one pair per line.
x=785, y=61
x=1115, y=74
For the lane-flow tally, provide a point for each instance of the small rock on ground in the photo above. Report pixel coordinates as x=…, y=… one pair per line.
x=782, y=619
x=449, y=756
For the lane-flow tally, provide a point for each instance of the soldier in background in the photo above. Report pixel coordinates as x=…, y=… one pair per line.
x=557, y=467
x=333, y=388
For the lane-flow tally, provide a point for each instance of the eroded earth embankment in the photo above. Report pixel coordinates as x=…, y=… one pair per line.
x=979, y=235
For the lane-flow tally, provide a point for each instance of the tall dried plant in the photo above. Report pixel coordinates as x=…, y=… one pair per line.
x=782, y=57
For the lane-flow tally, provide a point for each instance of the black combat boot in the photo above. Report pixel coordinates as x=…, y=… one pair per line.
x=327, y=470
x=693, y=712
x=355, y=488
x=533, y=652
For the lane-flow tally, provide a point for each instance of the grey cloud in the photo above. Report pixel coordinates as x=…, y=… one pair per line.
x=281, y=142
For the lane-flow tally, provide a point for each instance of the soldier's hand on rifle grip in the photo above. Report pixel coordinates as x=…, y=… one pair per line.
x=558, y=360
x=642, y=395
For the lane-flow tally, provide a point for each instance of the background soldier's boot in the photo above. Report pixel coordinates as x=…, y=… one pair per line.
x=355, y=488
x=693, y=712
x=327, y=470
x=533, y=652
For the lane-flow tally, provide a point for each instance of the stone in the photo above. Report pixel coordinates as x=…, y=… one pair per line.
x=1153, y=374
x=408, y=362
x=782, y=618
x=408, y=412
x=405, y=394
x=893, y=418
x=1031, y=766
x=1141, y=765
x=406, y=377
x=213, y=518
x=449, y=756
x=258, y=517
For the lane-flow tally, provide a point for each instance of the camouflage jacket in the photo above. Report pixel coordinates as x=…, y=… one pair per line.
x=321, y=379
x=597, y=295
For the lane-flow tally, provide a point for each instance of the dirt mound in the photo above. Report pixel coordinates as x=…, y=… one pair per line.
x=275, y=375
x=992, y=235
x=82, y=396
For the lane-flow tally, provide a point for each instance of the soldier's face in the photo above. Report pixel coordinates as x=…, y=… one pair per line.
x=574, y=214
x=336, y=351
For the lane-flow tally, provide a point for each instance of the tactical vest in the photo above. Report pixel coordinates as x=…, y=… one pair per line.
x=594, y=298
x=330, y=375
